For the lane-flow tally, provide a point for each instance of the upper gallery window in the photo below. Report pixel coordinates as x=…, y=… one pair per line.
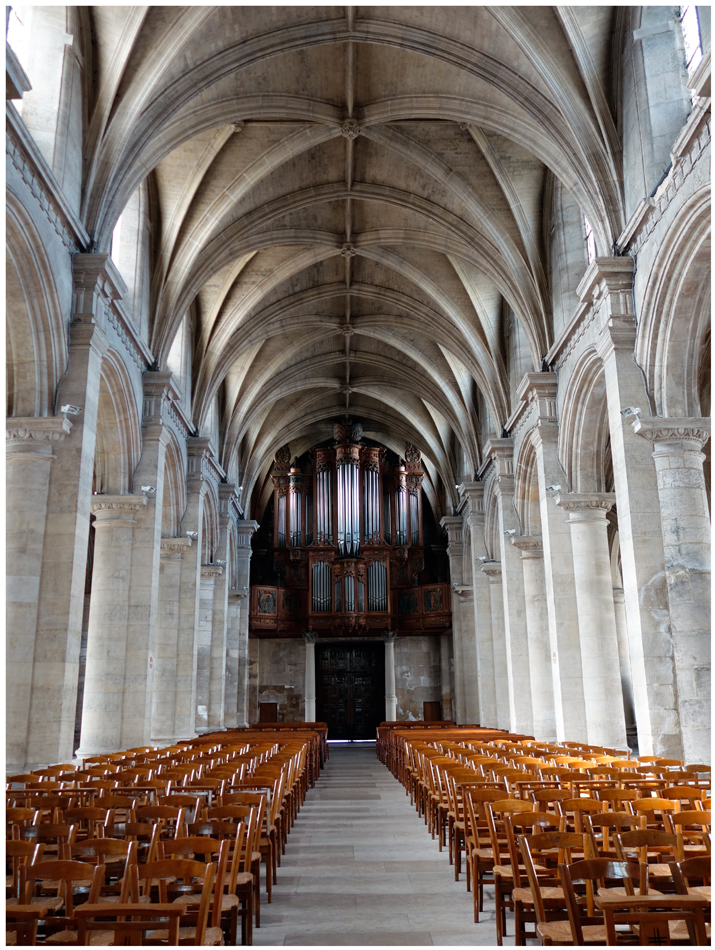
x=590, y=240
x=691, y=36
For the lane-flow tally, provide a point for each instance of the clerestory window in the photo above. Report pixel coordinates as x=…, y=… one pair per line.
x=691, y=36
x=590, y=240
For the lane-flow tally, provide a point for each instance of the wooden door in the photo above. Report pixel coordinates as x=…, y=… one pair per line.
x=268, y=712
x=350, y=688
x=432, y=712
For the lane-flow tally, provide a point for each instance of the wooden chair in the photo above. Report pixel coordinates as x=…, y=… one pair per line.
x=647, y=809
x=549, y=903
x=17, y=854
x=61, y=877
x=618, y=799
x=480, y=853
x=585, y=926
x=519, y=898
x=171, y=819
x=572, y=810
x=601, y=827
x=692, y=876
x=652, y=848
x=211, y=850
x=89, y=820
x=252, y=813
x=115, y=856
x=17, y=818
x=57, y=838
x=504, y=874
x=694, y=826
x=194, y=929
x=145, y=834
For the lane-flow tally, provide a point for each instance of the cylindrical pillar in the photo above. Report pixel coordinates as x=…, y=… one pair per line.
x=204, y=628
x=624, y=658
x=310, y=638
x=27, y=474
x=596, y=617
x=166, y=644
x=244, y=532
x=235, y=602
x=390, y=687
x=685, y=520
x=116, y=516
x=501, y=673
x=446, y=675
x=537, y=627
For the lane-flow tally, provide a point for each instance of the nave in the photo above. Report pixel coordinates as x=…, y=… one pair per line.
x=362, y=870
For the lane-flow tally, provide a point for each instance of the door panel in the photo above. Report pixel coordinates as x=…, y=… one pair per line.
x=350, y=688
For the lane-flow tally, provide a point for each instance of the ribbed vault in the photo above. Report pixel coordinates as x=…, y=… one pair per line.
x=348, y=205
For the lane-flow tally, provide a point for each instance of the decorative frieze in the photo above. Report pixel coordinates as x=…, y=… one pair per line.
x=44, y=430
x=529, y=545
x=116, y=510
x=673, y=429
x=174, y=548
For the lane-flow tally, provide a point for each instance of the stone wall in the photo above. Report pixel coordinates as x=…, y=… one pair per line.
x=417, y=675
x=281, y=677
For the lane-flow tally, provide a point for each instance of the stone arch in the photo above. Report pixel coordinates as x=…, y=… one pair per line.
x=584, y=433
x=491, y=521
x=118, y=447
x=210, y=525
x=674, y=322
x=174, y=500
x=526, y=490
x=35, y=326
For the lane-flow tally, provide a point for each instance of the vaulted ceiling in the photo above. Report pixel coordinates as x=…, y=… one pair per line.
x=348, y=200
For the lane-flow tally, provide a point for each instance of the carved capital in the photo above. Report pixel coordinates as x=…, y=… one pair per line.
x=606, y=275
x=389, y=636
x=113, y=510
x=530, y=546
x=674, y=430
x=310, y=637
x=34, y=432
x=174, y=548
x=492, y=569
x=211, y=571
x=244, y=531
x=586, y=506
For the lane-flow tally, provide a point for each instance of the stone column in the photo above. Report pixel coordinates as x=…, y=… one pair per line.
x=486, y=714
x=462, y=624
x=235, y=602
x=537, y=626
x=607, y=287
x=53, y=704
x=492, y=569
x=685, y=520
x=104, y=683
x=624, y=659
x=166, y=641
x=30, y=444
x=244, y=532
x=596, y=616
x=390, y=687
x=219, y=621
x=252, y=668
x=445, y=672
x=515, y=632
x=210, y=574
x=146, y=567
x=310, y=638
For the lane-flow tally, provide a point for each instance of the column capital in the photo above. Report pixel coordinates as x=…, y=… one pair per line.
x=244, y=532
x=389, y=636
x=540, y=388
x=453, y=525
x=174, y=548
x=606, y=275
x=674, y=429
x=592, y=506
x=529, y=545
x=211, y=571
x=235, y=594
x=492, y=569
x=31, y=433
x=310, y=636
x=501, y=452
x=116, y=509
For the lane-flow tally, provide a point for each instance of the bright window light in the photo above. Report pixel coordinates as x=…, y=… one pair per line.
x=691, y=37
x=590, y=240
x=18, y=33
x=116, y=241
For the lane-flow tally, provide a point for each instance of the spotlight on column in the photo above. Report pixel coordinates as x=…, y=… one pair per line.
x=553, y=488
x=149, y=489
x=630, y=411
x=482, y=560
x=192, y=534
x=71, y=410
x=219, y=562
x=510, y=533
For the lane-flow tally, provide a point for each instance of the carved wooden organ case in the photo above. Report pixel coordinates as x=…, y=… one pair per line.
x=348, y=546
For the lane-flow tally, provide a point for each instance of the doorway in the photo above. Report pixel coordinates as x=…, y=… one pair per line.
x=350, y=688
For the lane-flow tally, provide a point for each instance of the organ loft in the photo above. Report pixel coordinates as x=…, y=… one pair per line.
x=346, y=546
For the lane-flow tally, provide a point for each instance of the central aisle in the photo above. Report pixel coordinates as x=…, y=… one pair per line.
x=360, y=869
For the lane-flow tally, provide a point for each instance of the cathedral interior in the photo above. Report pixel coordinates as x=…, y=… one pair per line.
x=358, y=369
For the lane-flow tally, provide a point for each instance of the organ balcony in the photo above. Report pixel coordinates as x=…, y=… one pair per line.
x=346, y=553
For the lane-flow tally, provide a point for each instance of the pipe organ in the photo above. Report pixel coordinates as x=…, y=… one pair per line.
x=348, y=545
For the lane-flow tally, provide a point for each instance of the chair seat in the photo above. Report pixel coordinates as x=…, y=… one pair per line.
x=560, y=932
x=618, y=892
x=51, y=903
x=484, y=854
x=68, y=938
x=10, y=938
x=114, y=899
x=524, y=894
x=658, y=870
x=505, y=870
x=679, y=930
x=702, y=890
x=187, y=936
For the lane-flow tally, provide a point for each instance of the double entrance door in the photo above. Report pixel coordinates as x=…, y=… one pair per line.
x=350, y=688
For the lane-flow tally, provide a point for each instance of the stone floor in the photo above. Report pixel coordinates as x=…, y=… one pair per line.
x=360, y=869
